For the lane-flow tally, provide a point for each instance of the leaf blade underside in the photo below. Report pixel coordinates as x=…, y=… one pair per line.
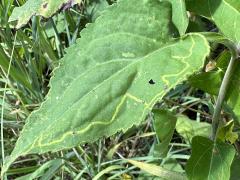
x=95, y=94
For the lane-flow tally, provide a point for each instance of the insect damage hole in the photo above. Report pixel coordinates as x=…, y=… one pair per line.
x=151, y=81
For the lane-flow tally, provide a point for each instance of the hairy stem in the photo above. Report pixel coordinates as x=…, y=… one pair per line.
x=222, y=94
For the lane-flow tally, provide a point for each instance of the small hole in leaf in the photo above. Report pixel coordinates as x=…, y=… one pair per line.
x=151, y=82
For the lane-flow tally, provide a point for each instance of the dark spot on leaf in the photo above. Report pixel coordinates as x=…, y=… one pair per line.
x=151, y=82
x=45, y=5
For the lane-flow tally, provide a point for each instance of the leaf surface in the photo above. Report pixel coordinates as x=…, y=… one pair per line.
x=188, y=128
x=210, y=82
x=180, y=17
x=158, y=170
x=110, y=80
x=225, y=14
x=173, y=165
x=164, y=125
x=235, y=168
x=209, y=160
x=45, y=8
x=226, y=134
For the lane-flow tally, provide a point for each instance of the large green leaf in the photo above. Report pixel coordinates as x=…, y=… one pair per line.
x=45, y=8
x=209, y=160
x=225, y=13
x=112, y=77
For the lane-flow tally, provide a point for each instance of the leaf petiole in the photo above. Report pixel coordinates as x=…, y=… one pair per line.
x=223, y=91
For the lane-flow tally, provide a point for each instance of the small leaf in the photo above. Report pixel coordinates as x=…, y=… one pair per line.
x=180, y=17
x=173, y=165
x=225, y=14
x=164, y=124
x=95, y=8
x=188, y=128
x=45, y=8
x=209, y=160
x=102, y=85
x=60, y=25
x=158, y=170
x=210, y=82
x=226, y=133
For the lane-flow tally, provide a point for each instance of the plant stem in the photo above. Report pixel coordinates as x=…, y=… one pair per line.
x=222, y=94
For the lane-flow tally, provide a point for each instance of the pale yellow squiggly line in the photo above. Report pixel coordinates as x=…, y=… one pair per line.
x=69, y=133
x=148, y=106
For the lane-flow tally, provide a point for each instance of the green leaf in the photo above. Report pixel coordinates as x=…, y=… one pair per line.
x=60, y=25
x=110, y=80
x=209, y=160
x=95, y=8
x=235, y=168
x=225, y=133
x=158, y=170
x=210, y=82
x=45, y=8
x=233, y=92
x=225, y=14
x=173, y=165
x=196, y=24
x=180, y=17
x=188, y=128
x=43, y=171
x=164, y=124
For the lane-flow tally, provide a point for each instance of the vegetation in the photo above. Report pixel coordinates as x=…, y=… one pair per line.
x=132, y=89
